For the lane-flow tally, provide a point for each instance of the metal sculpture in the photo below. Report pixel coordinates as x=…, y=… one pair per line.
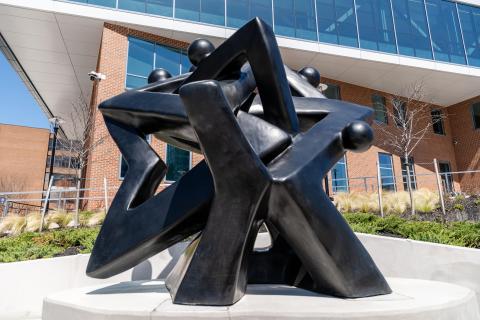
x=268, y=137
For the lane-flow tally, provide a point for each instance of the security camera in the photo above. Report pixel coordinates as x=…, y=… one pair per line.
x=96, y=76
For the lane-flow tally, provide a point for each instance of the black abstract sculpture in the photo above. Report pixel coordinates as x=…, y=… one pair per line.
x=268, y=137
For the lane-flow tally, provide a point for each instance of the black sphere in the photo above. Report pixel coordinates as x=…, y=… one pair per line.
x=158, y=74
x=199, y=50
x=311, y=75
x=357, y=136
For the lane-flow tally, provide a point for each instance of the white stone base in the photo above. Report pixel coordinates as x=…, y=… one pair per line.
x=411, y=300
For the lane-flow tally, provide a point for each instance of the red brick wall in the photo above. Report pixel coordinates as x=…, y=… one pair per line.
x=364, y=164
x=104, y=161
x=467, y=143
x=23, y=156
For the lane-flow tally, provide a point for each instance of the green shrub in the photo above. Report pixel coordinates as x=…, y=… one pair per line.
x=466, y=234
x=33, y=245
x=459, y=206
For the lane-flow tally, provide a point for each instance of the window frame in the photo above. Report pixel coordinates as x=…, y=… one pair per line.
x=347, y=181
x=165, y=180
x=385, y=111
x=392, y=173
x=182, y=52
x=440, y=121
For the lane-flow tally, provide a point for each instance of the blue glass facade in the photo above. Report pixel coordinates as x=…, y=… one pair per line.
x=441, y=30
x=144, y=56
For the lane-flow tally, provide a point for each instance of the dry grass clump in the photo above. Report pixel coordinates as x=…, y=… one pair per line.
x=12, y=225
x=356, y=202
x=58, y=220
x=426, y=201
x=32, y=223
x=96, y=219
x=394, y=203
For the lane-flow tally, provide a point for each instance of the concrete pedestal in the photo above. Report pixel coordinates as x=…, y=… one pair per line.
x=411, y=300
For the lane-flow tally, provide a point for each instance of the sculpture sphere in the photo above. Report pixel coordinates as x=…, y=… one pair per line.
x=199, y=50
x=311, y=75
x=357, y=136
x=158, y=74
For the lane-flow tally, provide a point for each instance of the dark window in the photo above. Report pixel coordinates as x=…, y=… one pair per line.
x=332, y=91
x=405, y=174
x=339, y=176
x=240, y=12
x=295, y=18
x=375, y=25
x=178, y=163
x=379, y=108
x=437, y=122
x=447, y=177
x=400, y=112
x=386, y=171
x=63, y=162
x=476, y=115
x=411, y=25
x=445, y=30
x=336, y=22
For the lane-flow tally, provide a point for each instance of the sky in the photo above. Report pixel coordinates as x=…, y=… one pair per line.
x=17, y=106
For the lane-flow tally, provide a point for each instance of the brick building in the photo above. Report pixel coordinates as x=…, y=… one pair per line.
x=367, y=52
x=23, y=154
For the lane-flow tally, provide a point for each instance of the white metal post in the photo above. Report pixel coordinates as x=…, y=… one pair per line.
x=105, y=193
x=379, y=188
x=77, y=204
x=439, y=185
x=45, y=205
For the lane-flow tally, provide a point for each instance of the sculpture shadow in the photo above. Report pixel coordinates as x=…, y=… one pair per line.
x=132, y=287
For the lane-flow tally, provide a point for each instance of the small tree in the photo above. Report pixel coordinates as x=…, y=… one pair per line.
x=81, y=142
x=412, y=119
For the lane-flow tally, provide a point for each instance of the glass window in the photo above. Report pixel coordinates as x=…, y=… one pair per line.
x=208, y=11
x=336, y=22
x=445, y=28
x=411, y=169
x=160, y=7
x=476, y=115
x=339, y=176
x=103, y=3
x=386, y=171
x=332, y=91
x=167, y=58
x=185, y=63
x=379, y=108
x=178, y=163
x=412, y=28
x=241, y=11
x=447, y=177
x=144, y=56
x=470, y=21
x=295, y=18
x=132, y=5
x=375, y=25
x=140, y=57
x=437, y=122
